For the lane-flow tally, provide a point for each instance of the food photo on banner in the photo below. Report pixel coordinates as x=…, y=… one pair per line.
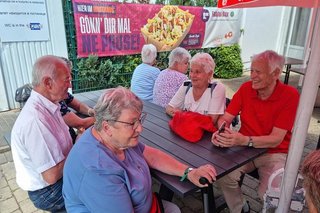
x=111, y=28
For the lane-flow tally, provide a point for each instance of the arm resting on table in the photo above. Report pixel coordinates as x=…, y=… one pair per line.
x=163, y=162
x=230, y=138
x=75, y=121
x=268, y=141
x=81, y=107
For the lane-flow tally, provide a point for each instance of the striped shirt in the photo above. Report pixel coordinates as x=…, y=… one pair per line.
x=142, y=81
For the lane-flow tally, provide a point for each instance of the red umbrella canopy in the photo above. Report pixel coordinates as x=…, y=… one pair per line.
x=264, y=3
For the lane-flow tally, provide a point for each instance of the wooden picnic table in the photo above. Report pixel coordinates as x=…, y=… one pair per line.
x=156, y=133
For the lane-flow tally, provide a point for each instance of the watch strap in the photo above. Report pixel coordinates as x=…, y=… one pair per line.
x=185, y=174
x=250, y=142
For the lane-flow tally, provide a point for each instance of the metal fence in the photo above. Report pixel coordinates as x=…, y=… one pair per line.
x=79, y=84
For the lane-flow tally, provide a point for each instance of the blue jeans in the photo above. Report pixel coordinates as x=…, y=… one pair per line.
x=49, y=198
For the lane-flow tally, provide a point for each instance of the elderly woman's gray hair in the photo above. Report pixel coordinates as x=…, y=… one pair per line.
x=148, y=53
x=46, y=66
x=273, y=59
x=178, y=55
x=204, y=60
x=112, y=102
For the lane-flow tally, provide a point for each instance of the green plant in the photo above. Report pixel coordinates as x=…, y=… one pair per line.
x=94, y=73
x=123, y=69
x=162, y=60
x=99, y=73
x=228, y=61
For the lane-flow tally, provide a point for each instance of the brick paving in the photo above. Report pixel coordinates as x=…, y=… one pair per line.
x=14, y=200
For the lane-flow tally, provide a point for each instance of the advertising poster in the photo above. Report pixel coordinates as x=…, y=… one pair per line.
x=23, y=21
x=110, y=28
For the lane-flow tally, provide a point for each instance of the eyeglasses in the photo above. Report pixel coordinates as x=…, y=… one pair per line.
x=136, y=123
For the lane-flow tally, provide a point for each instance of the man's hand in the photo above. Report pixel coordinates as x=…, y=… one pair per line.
x=91, y=112
x=228, y=138
x=207, y=171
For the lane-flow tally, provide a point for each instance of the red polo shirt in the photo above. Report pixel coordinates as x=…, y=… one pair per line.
x=258, y=117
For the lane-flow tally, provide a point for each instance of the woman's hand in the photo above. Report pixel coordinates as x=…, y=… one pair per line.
x=171, y=111
x=214, y=138
x=228, y=138
x=207, y=171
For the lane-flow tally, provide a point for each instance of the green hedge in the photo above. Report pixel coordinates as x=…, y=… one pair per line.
x=228, y=61
x=99, y=73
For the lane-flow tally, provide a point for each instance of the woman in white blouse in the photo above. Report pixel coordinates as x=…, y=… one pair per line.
x=202, y=94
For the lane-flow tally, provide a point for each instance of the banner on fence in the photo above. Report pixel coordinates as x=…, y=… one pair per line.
x=109, y=28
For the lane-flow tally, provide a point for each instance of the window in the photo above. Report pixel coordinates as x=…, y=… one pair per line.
x=300, y=27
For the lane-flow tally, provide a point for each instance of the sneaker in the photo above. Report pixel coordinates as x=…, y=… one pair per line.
x=246, y=208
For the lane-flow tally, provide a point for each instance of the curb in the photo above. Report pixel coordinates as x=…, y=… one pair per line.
x=4, y=149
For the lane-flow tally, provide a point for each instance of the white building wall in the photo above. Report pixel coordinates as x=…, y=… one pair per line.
x=17, y=58
x=3, y=98
x=264, y=29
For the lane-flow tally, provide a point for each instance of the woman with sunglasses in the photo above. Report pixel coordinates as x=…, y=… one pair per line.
x=108, y=168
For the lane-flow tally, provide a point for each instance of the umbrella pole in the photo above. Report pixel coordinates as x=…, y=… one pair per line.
x=306, y=104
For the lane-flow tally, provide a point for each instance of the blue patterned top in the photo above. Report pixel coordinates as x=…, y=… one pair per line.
x=64, y=109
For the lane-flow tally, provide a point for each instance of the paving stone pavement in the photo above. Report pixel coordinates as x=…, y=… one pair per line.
x=13, y=199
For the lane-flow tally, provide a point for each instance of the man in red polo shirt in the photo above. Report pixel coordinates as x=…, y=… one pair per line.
x=267, y=109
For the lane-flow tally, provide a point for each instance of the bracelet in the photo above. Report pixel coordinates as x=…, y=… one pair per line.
x=185, y=174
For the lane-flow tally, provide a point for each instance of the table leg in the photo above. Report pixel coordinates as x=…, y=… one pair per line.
x=286, y=77
x=209, y=205
x=165, y=193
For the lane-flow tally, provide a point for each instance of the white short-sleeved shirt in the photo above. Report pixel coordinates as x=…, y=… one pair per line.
x=209, y=103
x=40, y=139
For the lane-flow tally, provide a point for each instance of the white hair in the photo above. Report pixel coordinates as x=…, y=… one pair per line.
x=178, y=55
x=205, y=61
x=148, y=53
x=273, y=59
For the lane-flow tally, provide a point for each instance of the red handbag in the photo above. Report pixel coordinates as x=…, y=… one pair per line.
x=156, y=206
x=191, y=125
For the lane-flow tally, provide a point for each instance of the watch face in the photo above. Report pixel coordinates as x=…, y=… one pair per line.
x=250, y=143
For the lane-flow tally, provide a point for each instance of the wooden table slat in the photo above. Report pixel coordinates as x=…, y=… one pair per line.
x=156, y=133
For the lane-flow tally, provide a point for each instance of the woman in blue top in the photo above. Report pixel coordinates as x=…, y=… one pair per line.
x=145, y=74
x=108, y=168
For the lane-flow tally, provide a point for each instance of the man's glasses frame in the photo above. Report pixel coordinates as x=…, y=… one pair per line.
x=134, y=124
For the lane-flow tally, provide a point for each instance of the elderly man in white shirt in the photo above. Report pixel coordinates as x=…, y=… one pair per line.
x=40, y=138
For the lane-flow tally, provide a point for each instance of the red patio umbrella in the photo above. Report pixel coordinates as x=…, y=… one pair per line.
x=263, y=3
x=308, y=93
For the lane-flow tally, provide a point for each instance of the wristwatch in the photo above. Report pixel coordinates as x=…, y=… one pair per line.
x=250, y=142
